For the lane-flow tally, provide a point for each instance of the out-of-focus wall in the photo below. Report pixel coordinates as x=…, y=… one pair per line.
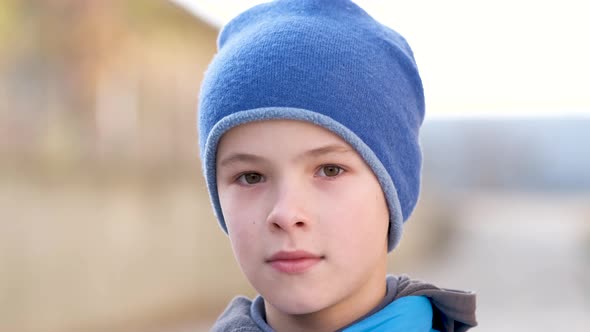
x=105, y=224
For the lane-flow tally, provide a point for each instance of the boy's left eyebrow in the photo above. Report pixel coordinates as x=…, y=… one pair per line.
x=332, y=148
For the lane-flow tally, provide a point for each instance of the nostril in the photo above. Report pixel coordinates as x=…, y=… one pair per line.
x=299, y=224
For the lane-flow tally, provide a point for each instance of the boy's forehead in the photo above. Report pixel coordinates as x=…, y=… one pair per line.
x=297, y=129
x=271, y=137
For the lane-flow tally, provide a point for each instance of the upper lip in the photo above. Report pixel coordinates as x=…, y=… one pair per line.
x=292, y=255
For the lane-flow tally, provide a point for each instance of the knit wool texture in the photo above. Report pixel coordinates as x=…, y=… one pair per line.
x=329, y=63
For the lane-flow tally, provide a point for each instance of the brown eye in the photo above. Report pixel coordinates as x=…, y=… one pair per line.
x=251, y=178
x=330, y=170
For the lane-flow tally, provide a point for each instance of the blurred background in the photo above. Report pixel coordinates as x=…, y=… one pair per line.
x=105, y=224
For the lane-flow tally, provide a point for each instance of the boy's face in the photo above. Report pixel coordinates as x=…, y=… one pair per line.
x=306, y=217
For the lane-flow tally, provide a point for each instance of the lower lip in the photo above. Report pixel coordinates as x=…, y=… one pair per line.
x=294, y=266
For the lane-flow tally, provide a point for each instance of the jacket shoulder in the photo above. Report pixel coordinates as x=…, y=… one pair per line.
x=453, y=310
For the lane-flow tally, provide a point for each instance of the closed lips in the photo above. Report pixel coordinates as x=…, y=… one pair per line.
x=293, y=262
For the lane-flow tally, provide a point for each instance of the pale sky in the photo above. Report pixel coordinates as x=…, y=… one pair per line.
x=502, y=57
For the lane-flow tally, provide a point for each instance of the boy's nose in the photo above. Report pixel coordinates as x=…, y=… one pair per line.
x=288, y=212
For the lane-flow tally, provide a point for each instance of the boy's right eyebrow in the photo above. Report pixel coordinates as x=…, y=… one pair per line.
x=240, y=157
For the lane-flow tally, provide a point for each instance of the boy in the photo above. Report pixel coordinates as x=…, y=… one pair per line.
x=308, y=126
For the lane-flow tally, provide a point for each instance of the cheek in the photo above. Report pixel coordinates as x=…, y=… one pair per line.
x=363, y=217
x=243, y=210
x=244, y=242
x=243, y=217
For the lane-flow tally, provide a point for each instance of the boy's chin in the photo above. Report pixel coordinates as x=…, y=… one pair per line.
x=296, y=309
x=297, y=305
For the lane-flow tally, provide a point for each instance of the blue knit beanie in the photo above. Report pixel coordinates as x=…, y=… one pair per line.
x=329, y=63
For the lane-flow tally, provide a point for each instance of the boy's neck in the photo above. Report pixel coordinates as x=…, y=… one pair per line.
x=333, y=317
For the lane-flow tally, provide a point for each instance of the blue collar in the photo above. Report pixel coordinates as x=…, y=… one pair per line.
x=410, y=313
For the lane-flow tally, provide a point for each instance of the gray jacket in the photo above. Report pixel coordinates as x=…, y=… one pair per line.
x=453, y=310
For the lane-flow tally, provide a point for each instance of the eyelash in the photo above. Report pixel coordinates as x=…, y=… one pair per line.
x=241, y=178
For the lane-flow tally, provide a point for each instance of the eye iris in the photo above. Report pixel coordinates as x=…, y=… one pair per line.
x=331, y=170
x=252, y=178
